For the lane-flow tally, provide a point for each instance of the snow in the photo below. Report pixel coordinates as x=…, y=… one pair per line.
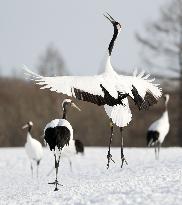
x=143, y=181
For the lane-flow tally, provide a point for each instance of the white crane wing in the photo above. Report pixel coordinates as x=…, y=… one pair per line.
x=98, y=89
x=86, y=88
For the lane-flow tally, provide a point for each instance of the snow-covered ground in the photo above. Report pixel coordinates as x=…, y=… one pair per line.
x=143, y=181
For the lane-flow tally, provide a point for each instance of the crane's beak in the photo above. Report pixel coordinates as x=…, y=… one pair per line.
x=25, y=126
x=75, y=106
x=110, y=18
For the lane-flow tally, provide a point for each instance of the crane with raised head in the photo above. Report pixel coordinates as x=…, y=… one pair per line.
x=108, y=89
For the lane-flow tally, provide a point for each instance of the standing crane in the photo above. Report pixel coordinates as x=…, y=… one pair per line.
x=33, y=147
x=58, y=134
x=108, y=89
x=159, y=129
x=77, y=147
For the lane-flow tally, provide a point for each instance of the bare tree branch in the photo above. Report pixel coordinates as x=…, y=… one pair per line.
x=51, y=63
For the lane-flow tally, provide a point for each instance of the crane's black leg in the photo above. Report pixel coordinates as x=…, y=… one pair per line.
x=56, y=181
x=37, y=170
x=70, y=162
x=38, y=162
x=109, y=156
x=122, y=154
x=56, y=167
x=155, y=145
x=159, y=145
x=31, y=167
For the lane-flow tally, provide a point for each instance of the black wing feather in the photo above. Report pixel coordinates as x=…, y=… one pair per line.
x=143, y=104
x=99, y=100
x=150, y=99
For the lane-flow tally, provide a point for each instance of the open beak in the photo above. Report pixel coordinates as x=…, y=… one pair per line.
x=25, y=126
x=75, y=106
x=110, y=18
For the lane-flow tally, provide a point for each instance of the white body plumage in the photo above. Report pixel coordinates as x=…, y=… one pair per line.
x=33, y=148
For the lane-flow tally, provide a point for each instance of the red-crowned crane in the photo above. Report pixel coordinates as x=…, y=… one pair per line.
x=108, y=89
x=58, y=134
x=158, y=130
x=33, y=147
x=75, y=147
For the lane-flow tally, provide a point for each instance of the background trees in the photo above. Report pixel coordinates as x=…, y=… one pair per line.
x=51, y=62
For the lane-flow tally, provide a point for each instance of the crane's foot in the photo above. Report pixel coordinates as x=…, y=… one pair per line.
x=56, y=189
x=123, y=160
x=55, y=183
x=109, y=157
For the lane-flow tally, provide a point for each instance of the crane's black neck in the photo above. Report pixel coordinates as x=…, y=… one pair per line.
x=29, y=128
x=111, y=44
x=64, y=113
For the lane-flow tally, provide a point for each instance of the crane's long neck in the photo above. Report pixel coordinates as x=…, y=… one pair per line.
x=109, y=67
x=29, y=137
x=111, y=44
x=165, y=114
x=29, y=128
x=64, y=113
x=166, y=105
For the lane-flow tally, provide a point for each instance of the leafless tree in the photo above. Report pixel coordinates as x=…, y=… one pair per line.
x=51, y=63
x=162, y=46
